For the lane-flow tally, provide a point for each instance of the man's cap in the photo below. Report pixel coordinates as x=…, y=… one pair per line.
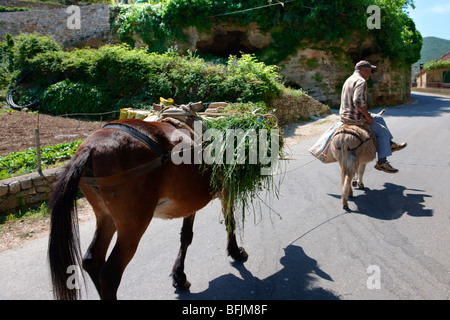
x=364, y=64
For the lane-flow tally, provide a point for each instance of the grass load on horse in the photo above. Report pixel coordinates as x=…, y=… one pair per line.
x=178, y=164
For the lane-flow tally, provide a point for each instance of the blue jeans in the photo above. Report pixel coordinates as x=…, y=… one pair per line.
x=383, y=136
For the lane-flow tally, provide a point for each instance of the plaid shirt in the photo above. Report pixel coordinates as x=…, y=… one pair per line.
x=354, y=93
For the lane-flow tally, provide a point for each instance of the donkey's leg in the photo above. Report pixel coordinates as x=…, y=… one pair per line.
x=346, y=190
x=178, y=275
x=361, y=170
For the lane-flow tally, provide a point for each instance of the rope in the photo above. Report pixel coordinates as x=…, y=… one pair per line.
x=255, y=8
x=295, y=168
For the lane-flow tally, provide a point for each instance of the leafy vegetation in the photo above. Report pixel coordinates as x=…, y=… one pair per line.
x=437, y=65
x=160, y=23
x=13, y=9
x=22, y=162
x=113, y=77
x=237, y=172
x=27, y=215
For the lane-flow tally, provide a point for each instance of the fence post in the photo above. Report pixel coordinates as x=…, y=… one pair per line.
x=38, y=151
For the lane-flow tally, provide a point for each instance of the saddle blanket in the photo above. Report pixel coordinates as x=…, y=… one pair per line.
x=321, y=149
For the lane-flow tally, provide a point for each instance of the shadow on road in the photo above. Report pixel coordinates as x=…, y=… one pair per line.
x=424, y=106
x=294, y=281
x=391, y=202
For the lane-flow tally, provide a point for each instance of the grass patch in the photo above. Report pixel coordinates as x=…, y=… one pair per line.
x=26, y=214
x=23, y=162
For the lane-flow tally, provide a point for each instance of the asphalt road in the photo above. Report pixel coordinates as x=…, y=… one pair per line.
x=394, y=244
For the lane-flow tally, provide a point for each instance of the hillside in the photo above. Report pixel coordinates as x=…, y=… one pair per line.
x=432, y=48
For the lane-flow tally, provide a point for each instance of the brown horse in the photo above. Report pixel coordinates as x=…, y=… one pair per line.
x=128, y=179
x=353, y=147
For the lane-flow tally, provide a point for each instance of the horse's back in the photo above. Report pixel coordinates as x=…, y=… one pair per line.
x=169, y=190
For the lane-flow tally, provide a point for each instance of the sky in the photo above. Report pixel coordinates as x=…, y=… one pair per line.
x=432, y=18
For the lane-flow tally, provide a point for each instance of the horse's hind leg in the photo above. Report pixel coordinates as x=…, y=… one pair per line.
x=94, y=259
x=128, y=238
x=178, y=275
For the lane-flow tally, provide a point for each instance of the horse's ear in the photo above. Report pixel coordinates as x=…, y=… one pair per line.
x=157, y=107
x=196, y=106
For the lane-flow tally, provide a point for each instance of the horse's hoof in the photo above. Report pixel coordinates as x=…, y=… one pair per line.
x=180, y=282
x=185, y=286
x=354, y=183
x=181, y=286
x=239, y=255
x=346, y=207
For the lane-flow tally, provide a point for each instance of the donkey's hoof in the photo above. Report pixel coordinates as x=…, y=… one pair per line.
x=239, y=255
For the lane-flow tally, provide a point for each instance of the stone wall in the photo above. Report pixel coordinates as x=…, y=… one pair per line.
x=291, y=109
x=322, y=74
x=27, y=190
x=94, y=23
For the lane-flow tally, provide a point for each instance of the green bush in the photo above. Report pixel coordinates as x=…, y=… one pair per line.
x=326, y=22
x=437, y=64
x=113, y=77
x=27, y=46
x=66, y=97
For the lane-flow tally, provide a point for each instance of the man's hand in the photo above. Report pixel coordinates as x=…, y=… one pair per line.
x=366, y=114
x=369, y=120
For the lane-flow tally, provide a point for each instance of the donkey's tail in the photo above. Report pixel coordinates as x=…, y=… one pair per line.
x=348, y=157
x=64, y=242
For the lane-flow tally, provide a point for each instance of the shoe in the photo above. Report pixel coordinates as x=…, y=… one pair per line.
x=398, y=146
x=386, y=167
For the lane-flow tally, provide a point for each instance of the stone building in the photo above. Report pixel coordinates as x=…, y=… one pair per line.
x=434, y=78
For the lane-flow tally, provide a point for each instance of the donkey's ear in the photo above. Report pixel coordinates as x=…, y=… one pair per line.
x=157, y=107
x=196, y=106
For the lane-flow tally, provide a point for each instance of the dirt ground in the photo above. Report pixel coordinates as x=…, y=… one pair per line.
x=17, y=133
x=17, y=130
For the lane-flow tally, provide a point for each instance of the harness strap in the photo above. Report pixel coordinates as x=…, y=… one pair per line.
x=122, y=176
x=138, y=135
x=361, y=141
x=133, y=172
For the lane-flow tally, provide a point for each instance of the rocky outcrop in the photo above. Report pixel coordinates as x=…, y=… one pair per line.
x=317, y=68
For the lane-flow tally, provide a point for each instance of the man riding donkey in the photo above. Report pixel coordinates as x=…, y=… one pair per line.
x=354, y=110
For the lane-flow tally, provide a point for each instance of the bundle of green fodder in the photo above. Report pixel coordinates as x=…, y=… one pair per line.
x=242, y=151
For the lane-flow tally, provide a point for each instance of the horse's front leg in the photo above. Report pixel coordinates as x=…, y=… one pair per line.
x=234, y=251
x=178, y=275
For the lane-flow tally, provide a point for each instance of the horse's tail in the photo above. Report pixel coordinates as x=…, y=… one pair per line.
x=64, y=242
